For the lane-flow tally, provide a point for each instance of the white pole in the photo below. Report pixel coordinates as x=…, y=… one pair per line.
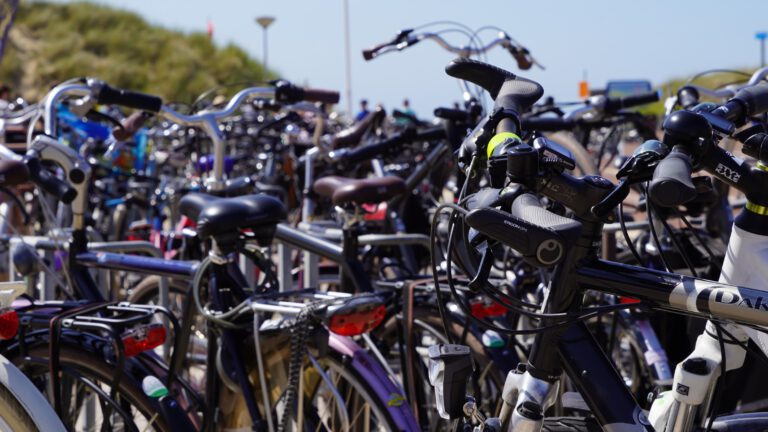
x=348, y=60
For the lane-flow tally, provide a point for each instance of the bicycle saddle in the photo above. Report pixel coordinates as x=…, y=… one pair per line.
x=351, y=137
x=344, y=190
x=223, y=218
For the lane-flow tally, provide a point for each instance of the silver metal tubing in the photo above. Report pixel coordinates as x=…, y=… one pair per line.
x=131, y=246
x=393, y=239
x=52, y=99
x=631, y=226
x=301, y=240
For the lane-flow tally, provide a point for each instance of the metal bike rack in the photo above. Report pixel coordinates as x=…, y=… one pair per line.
x=50, y=246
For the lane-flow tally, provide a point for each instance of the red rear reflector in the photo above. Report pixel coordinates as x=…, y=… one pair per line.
x=628, y=300
x=143, y=338
x=482, y=309
x=357, y=322
x=9, y=324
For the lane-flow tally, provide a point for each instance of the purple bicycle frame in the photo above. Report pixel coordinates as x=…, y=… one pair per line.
x=378, y=380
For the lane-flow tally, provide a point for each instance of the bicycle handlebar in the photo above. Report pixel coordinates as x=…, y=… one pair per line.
x=55, y=186
x=671, y=185
x=689, y=94
x=405, y=39
x=106, y=94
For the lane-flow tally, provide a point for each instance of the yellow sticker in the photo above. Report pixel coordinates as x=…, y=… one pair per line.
x=395, y=400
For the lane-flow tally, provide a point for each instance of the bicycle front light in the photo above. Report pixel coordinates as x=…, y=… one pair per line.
x=449, y=368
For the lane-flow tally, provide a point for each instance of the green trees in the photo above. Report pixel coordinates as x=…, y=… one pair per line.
x=53, y=42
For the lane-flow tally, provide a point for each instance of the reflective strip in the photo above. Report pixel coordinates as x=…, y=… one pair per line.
x=754, y=208
x=498, y=139
x=757, y=209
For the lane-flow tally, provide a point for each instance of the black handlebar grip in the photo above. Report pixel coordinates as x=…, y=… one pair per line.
x=453, y=114
x=688, y=96
x=371, y=151
x=142, y=101
x=370, y=53
x=431, y=134
x=546, y=124
x=755, y=99
x=671, y=185
x=615, y=104
x=48, y=182
x=322, y=96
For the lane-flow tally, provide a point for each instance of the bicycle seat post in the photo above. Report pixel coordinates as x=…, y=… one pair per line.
x=352, y=228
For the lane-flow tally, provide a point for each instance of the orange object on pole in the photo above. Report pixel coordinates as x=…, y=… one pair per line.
x=583, y=89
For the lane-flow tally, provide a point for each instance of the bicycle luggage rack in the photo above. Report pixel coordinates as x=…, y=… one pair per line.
x=106, y=321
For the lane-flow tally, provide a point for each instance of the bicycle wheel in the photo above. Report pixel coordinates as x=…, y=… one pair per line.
x=22, y=407
x=585, y=165
x=86, y=388
x=487, y=381
x=337, y=398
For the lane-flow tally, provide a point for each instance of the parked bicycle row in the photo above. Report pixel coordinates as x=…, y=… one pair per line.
x=265, y=264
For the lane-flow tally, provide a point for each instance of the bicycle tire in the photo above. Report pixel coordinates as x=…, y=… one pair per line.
x=584, y=162
x=364, y=393
x=22, y=407
x=426, y=319
x=77, y=358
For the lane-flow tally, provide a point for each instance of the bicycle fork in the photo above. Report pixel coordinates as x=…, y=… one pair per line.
x=687, y=404
x=526, y=398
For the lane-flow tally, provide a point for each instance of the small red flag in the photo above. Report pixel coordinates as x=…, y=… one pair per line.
x=210, y=29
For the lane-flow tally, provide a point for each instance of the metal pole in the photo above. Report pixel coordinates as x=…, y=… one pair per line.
x=348, y=59
x=266, y=68
x=264, y=22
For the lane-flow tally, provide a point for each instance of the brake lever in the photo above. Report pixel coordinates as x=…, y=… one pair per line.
x=481, y=278
x=604, y=208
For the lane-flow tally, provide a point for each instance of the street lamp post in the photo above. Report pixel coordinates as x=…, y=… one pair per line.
x=761, y=36
x=264, y=22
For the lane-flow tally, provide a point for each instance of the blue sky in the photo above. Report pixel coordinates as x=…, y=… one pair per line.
x=609, y=39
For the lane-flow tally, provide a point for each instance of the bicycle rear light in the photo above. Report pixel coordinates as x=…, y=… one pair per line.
x=357, y=316
x=9, y=324
x=487, y=308
x=143, y=338
x=449, y=368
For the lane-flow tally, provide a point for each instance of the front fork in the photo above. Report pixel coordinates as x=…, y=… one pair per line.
x=526, y=398
x=695, y=378
x=688, y=402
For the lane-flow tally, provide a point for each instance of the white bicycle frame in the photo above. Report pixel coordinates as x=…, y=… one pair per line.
x=677, y=410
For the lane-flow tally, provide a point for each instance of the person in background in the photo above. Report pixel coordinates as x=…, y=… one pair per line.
x=363, y=110
x=407, y=108
x=407, y=111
